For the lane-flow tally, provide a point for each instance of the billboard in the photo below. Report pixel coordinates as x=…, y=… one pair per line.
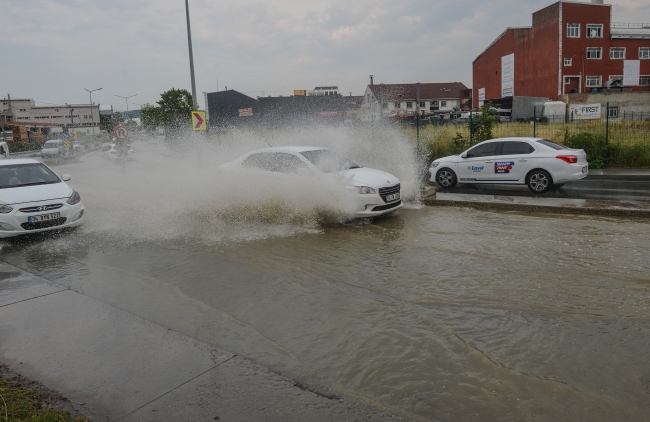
x=585, y=111
x=632, y=72
x=481, y=97
x=245, y=111
x=508, y=75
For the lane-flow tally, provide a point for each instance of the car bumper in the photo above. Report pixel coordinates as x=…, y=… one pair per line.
x=574, y=173
x=374, y=206
x=11, y=225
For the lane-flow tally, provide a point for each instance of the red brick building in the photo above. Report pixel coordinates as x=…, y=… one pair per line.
x=571, y=47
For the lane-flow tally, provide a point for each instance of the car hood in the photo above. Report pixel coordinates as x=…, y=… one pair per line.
x=21, y=195
x=370, y=177
x=448, y=159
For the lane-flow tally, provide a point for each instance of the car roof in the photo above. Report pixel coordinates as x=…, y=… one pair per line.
x=288, y=149
x=13, y=161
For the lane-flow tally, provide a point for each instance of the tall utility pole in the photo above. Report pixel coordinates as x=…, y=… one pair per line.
x=92, y=116
x=189, y=43
x=127, y=103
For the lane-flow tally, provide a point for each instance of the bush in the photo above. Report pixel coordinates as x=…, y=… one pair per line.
x=25, y=146
x=598, y=152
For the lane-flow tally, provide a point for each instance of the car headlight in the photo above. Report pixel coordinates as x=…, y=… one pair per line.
x=75, y=198
x=435, y=164
x=5, y=209
x=363, y=190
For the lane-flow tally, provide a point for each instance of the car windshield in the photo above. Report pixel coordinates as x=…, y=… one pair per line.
x=18, y=175
x=328, y=161
x=551, y=144
x=51, y=145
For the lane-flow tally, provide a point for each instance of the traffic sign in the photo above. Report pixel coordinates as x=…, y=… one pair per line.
x=65, y=135
x=73, y=135
x=121, y=133
x=198, y=120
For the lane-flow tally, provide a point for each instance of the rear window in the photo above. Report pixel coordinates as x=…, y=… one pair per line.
x=516, y=148
x=552, y=144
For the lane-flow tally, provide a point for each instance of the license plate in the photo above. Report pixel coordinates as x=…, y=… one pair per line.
x=43, y=217
x=393, y=197
x=585, y=169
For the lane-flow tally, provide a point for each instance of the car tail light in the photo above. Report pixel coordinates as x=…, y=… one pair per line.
x=571, y=159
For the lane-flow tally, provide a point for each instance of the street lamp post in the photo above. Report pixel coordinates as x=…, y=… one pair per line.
x=127, y=103
x=189, y=43
x=92, y=116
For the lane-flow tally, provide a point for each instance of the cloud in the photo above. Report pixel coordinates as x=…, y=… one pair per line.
x=53, y=49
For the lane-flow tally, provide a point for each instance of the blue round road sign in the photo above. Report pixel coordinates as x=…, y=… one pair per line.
x=65, y=135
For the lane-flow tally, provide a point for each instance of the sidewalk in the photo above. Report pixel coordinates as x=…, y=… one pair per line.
x=118, y=366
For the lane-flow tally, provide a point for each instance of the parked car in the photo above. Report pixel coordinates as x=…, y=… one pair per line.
x=4, y=150
x=375, y=192
x=53, y=148
x=34, y=199
x=538, y=163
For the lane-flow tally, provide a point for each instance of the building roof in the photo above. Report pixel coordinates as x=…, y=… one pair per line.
x=428, y=91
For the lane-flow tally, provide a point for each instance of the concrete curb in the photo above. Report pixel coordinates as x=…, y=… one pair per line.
x=483, y=206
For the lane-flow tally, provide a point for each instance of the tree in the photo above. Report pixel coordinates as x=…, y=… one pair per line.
x=150, y=117
x=172, y=112
x=109, y=122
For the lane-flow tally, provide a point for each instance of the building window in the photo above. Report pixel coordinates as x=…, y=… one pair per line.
x=409, y=104
x=594, y=31
x=594, y=81
x=568, y=62
x=617, y=53
x=567, y=80
x=396, y=105
x=423, y=104
x=644, y=53
x=612, y=112
x=22, y=109
x=616, y=78
x=594, y=53
x=573, y=30
x=443, y=103
x=644, y=80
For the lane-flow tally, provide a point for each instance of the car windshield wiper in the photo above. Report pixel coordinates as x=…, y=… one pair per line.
x=354, y=167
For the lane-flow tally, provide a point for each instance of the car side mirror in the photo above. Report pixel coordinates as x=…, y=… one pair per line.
x=66, y=177
x=464, y=155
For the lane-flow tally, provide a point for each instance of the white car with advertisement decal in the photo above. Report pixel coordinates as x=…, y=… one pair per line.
x=538, y=163
x=34, y=199
x=374, y=192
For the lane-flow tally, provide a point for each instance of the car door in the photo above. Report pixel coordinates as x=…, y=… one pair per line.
x=513, y=161
x=477, y=164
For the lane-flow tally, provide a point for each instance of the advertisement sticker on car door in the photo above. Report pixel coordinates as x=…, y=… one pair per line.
x=502, y=167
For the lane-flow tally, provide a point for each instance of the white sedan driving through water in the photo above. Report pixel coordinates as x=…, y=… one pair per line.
x=538, y=163
x=34, y=199
x=374, y=192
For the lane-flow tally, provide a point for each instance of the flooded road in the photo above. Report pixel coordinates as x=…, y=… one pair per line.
x=433, y=314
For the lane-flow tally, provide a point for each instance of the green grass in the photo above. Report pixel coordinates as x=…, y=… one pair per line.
x=23, y=405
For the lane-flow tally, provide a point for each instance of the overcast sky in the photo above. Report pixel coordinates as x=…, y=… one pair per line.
x=52, y=49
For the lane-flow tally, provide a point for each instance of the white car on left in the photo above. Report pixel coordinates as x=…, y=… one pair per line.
x=34, y=199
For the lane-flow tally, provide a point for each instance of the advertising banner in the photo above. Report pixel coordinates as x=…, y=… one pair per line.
x=481, y=97
x=631, y=72
x=585, y=111
x=508, y=75
x=245, y=111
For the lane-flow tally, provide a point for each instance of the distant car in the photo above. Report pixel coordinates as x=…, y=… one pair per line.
x=375, y=192
x=76, y=146
x=111, y=150
x=53, y=148
x=34, y=199
x=4, y=150
x=538, y=163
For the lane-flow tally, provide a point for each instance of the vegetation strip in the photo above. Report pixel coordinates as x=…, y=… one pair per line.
x=20, y=403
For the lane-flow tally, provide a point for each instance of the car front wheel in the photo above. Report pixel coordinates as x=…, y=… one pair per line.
x=446, y=178
x=539, y=181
